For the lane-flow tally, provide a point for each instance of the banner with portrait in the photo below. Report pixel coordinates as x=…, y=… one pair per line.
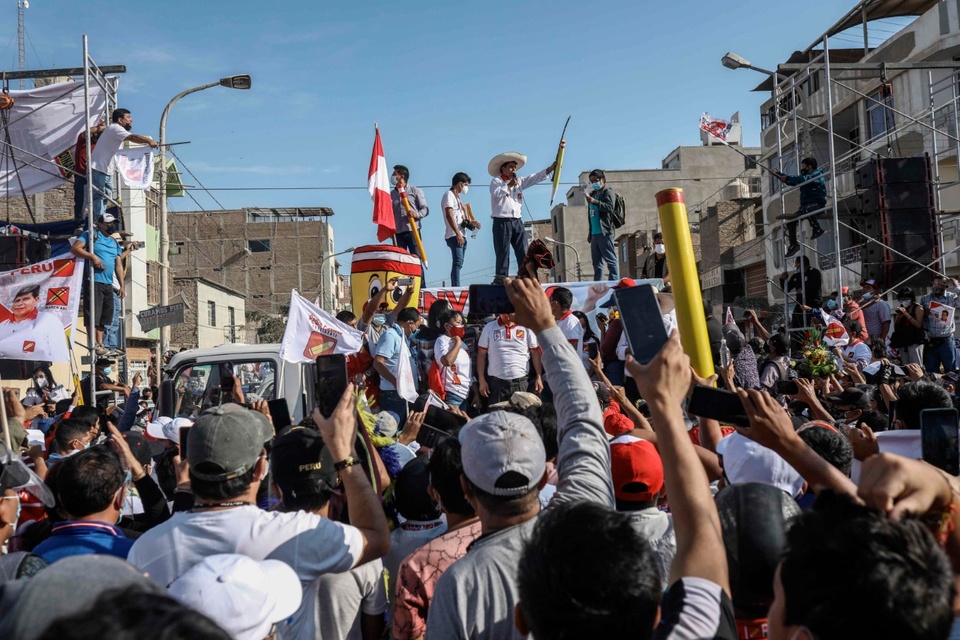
x=38, y=309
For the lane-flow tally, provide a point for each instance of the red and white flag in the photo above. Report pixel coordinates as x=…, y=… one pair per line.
x=378, y=184
x=715, y=127
x=313, y=332
x=729, y=318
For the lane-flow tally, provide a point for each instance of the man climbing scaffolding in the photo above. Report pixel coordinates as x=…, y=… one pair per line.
x=813, y=197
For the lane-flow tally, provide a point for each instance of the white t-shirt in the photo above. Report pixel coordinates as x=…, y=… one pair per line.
x=451, y=201
x=310, y=544
x=508, y=349
x=332, y=604
x=101, y=159
x=570, y=326
x=456, y=378
x=859, y=353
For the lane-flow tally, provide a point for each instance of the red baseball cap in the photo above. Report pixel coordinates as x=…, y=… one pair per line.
x=625, y=283
x=636, y=469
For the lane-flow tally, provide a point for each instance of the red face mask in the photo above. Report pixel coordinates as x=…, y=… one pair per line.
x=457, y=332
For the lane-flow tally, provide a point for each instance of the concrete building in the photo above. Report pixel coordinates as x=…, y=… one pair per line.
x=213, y=314
x=261, y=253
x=701, y=171
x=735, y=264
x=874, y=113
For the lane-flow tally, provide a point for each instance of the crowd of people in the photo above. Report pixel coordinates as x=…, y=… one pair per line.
x=548, y=485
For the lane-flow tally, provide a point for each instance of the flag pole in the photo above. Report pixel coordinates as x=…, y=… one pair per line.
x=559, y=161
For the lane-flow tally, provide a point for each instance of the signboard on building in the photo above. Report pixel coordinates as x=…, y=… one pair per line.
x=161, y=316
x=712, y=278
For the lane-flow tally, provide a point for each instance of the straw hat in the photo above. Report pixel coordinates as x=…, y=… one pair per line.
x=493, y=168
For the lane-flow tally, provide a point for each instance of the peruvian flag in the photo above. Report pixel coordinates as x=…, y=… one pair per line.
x=378, y=184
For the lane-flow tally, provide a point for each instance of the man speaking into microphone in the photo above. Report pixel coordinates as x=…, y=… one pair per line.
x=506, y=204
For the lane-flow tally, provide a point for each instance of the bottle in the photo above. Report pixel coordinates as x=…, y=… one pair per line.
x=724, y=353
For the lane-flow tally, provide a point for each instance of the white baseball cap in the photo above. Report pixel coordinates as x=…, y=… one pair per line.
x=164, y=428
x=244, y=596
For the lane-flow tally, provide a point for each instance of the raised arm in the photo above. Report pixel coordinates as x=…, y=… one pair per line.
x=583, y=461
x=700, y=551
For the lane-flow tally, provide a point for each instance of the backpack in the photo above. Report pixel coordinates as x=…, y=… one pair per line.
x=619, y=216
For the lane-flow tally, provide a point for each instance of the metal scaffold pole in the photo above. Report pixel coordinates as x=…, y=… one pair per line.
x=833, y=169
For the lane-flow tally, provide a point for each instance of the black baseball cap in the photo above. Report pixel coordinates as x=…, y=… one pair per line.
x=301, y=464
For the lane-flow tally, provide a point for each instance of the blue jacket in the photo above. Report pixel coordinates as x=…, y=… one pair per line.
x=814, y=189
x=76, y=537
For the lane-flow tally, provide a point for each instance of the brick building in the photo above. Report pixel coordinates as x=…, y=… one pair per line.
x=733, y=261
x=260, y=253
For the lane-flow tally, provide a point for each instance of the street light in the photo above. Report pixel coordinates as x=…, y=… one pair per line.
x=733, y=61
x=231, y=82
x=322, y=280
x=577, y=253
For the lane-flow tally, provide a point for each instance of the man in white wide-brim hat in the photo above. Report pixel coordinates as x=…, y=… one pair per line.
x=506, y=204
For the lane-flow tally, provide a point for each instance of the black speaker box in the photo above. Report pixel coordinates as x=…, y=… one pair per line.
x=902, y=195
x=891, y=170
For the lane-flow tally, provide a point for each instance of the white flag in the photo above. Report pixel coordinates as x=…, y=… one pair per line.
x=313, y=332
x=406, y=385
x=135, y=167
x=729, y=318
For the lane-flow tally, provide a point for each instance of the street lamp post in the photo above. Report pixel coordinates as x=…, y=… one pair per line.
x=323, y=282
x=231, y=82
x=576, y=253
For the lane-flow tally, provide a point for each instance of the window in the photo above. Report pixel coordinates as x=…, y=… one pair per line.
x=258, y=246
x=153, y=283
x=232, y=315
x=212, y=313
x=623, y=252
x=197, y=387
x=879, y=113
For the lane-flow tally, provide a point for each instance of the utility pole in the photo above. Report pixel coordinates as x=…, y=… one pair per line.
x=22, y=6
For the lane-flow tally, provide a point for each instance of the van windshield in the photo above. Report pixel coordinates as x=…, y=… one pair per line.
x=200, y=386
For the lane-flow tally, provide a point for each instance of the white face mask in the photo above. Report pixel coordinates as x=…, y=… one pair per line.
x=659, y=248
x=393, y=180
x=465, y=189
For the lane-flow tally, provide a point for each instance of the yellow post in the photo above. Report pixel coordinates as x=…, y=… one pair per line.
x=684, y=280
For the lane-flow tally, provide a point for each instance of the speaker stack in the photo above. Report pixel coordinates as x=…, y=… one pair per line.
x=18, y=251
x=896, y=201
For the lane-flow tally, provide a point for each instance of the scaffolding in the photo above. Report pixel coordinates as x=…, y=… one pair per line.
x=852, y=104
x=103, y=77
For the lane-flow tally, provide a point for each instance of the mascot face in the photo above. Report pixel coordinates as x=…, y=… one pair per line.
x=375, y=265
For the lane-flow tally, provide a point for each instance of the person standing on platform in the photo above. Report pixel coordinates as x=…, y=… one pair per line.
x=506, y=204
x=456, y=223
x=418, y=204
x=601, y=201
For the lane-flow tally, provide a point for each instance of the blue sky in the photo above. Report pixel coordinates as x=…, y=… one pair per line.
x=451, y=84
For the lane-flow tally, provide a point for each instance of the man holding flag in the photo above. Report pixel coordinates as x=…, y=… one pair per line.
x=418, y=208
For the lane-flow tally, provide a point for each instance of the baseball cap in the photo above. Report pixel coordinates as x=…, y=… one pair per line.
x=301, y=464
x=870, y=281
x=519, y=400
x=856, y=398
x=624, y=283
x=165, y=428
x=746, y=461
x=106, y=217
x=226, y=441
x=636, y=469
x=603, y=393
x=502, y=453
x=244, y=596
x=142, y=448
x=734, y=337
x=387, y=423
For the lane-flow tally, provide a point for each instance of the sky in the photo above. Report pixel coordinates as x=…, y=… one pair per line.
x=451, y=85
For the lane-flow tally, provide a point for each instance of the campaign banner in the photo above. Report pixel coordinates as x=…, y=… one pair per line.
x=44, y=123
x=940, y=317
x=588, y=297
x=38, y=308
x=313, y=332
x=135, y=167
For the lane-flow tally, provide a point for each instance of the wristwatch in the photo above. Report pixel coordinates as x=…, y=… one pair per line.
x=349, y=461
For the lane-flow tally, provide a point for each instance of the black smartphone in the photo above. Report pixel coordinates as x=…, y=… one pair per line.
x=438, y=418
x=939, y=439
x=184, y=432
x=593, y=350
x=717, y=404
x=331, y=382
x=279, y=414
x=489, y=299
x=787, y=388
x=226, y=376
x=642, y=321
x=430, y=437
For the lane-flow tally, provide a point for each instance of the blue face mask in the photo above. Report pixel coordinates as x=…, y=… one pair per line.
x=107, y=371
x=866, y=296
x=831, y=304
x=596, y=186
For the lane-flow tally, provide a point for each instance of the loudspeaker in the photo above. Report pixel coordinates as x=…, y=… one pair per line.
x=890, y=233
x=901, y=195
x=17, y=251
x=891, y=170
